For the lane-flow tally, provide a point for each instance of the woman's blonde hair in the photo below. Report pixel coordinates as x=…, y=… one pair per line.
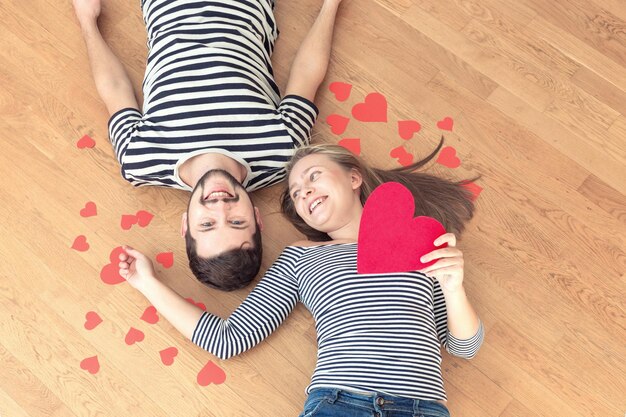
x=447, y=201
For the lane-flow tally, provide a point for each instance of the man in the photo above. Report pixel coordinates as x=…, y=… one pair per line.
x=212, y=121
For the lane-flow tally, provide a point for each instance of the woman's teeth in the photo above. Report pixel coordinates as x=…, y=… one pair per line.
x=316, y=203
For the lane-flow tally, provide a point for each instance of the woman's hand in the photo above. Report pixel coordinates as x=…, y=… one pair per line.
x=135, y=267
x=448, y=270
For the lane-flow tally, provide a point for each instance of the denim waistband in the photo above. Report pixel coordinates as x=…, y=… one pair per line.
x=378, y=401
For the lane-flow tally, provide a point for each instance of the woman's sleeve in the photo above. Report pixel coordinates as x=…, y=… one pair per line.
x=463, y=348
x=267, y=306
x=298, y=115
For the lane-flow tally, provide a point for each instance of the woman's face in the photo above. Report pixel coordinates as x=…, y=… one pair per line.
x=325, y=195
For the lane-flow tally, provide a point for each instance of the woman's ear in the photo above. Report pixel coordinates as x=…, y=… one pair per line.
x=356, y=179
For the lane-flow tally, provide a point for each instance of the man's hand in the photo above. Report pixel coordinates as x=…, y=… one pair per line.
x=135, y=267
x=448, y=270
x=87, y=11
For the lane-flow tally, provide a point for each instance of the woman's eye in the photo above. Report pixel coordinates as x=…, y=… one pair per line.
x=295, y=194
x=237, y=222
x=314, y=175
x=206, y=224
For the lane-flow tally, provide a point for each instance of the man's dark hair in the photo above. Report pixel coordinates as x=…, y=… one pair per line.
x=229, y=271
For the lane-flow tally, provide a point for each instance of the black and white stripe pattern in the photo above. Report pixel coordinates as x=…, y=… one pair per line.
x=209, y=87
x=378, y=332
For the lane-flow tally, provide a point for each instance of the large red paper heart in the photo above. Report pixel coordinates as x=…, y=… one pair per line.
x=390, y=238
x=337, y=123
x=404, y=158
x=374, y=109
x=448, y=157
x=133, y=336
x=80, y=244
x=92, y=320
x=144, y=218
x=340, y=90
x=90, y=365
x=168, y=355
x=150, y=315
x=211, y=374
x=407, y=128
x=89, y=210
x=110, y=273
x=166, y=259
x=474, y=188
x=446, y=124
x=85, y=142
x=351, y=144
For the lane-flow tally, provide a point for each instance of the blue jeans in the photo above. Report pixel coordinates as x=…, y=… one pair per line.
x=328, y=402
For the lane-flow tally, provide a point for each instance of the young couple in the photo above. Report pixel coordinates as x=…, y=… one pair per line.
x=211, y=103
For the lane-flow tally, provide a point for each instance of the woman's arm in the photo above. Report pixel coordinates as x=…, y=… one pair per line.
x=311, y=61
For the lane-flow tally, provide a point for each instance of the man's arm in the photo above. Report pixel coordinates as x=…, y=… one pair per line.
x=109, y=74
x=311, y=62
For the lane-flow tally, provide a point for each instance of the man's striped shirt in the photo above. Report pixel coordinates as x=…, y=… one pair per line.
x=209, y=87
x=375, y=332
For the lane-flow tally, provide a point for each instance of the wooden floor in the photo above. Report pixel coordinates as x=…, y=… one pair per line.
x=537, y=92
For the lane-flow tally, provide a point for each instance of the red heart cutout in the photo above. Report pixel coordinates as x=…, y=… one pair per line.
x=198, y=304
x=168, y=355
x=352, y=144
x=85, y=142
x=446, y=124
x=404, y=158
x=390, y=238
x=92, y=320
x=90, y=364
x=127, y=221
x=407, y=128
x=89, y=210
x=337, y=123
x=166, y=259
x=110, y=273
x=80, y=244
x=211, y=374
x=475, y=189
x=448, y=157
x=374, y=109
x=150, y=315
x=340, y=90
x=144, y=218
x=133, y=336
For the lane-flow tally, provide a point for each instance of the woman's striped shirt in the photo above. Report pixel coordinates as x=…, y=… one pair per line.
x=209, y=87
x=375, y=332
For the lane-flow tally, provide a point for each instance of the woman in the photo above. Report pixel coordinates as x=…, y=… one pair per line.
x=379, y=335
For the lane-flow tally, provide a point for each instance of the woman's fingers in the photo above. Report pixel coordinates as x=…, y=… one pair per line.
x=443, y=263
x=449, y=238
x=448, y=252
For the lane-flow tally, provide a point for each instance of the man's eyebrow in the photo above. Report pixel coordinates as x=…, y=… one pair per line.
x=303, y=174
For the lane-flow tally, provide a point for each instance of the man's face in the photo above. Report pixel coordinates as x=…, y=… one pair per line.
x=220, y=215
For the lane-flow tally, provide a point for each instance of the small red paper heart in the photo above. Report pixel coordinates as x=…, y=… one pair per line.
x=474, y=188
x=168, y=355
x=85, y=142
x=374, y=109
x=407, y=128
x=80, y=244
x=390, y=238
x=404, y=158
x=90, y=365
x=340, y=90
x=150, y=315
x=337, y=123
x=110, y=273
x=92, y=320
x=144, y=218
x=351, y=144
x=448, y=158
x=127, y=221
x=198, y=304
x=445, y=124
x=133, y=336
x=89, y=210
x=166, y=259
x=211, y=374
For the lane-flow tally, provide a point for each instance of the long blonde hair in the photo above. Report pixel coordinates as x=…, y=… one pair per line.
x=447, y=201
